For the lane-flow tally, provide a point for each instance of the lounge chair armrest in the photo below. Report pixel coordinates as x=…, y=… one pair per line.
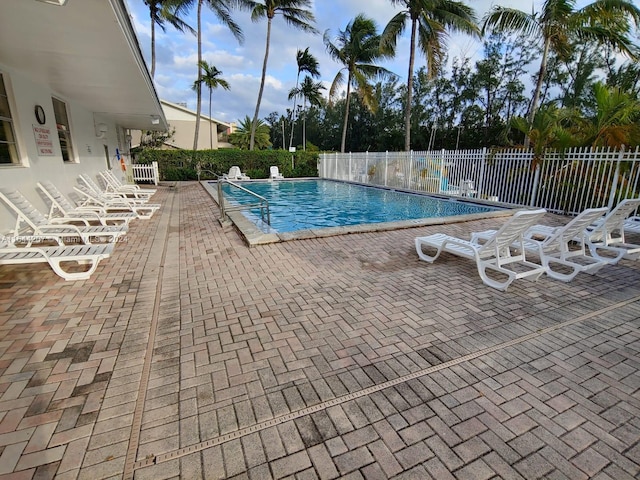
x=67, y=220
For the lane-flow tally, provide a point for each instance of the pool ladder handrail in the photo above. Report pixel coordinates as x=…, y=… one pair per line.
x=263, y=203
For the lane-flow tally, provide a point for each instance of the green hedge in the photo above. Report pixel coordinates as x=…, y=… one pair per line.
x=181, y=164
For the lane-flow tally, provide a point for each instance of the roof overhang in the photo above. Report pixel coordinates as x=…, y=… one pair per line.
x=86, y=51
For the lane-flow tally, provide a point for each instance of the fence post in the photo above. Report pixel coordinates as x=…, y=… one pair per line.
x=534, y=187
x=350, y=162
x=614, y=183
x=409, y=182
x=483, y=173
x=386, y=166
x=366, y=166
x=156, y=173
x=335, y=168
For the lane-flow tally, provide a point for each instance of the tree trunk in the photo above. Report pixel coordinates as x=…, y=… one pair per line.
x=153, y=46
x=254, y=124
x=407, y=108
x=293, y=112
x=541, y=73
x=210, y=122
x=199, y=84
x=346, y=115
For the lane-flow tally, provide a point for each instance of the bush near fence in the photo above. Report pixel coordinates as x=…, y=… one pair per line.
x=182, y=164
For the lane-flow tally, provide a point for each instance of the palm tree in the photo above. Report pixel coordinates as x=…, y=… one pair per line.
x=306, y=63
x=164, y=11
x=430, y=20
x=309, y=91
x=616, y=119
x=211, y=78
x=357, y=47
x=241, y=138
x=295, y=14
x=222, y=10
x=603, y=21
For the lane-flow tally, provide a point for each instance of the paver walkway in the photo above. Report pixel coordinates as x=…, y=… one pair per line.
x=189, y=355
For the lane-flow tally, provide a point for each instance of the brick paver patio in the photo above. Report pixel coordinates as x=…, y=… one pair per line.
x=189, y=355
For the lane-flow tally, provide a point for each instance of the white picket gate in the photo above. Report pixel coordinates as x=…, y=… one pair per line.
x=146, y=173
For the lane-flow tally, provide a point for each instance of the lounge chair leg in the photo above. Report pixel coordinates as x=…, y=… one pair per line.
x=57, y=268
x=482, y=270
x=424, y=256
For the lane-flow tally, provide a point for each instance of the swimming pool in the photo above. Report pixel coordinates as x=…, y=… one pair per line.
x=317, y=204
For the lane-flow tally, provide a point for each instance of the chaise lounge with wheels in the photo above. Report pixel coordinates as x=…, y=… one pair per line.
x=562, y=247
x=274, y=173
x=235, y=174
x=118, y=204
x=62, y=207
x=608, y=233
x=112, y=184
x=32, y=222
x=58, y=257
x=495, y=254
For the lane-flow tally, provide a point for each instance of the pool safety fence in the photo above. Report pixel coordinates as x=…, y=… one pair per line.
x=563, y=182
x=146, y=173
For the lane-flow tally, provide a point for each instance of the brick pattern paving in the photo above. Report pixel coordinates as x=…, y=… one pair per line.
x=185, y=335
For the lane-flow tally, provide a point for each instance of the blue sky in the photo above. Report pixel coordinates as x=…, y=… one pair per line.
x=241, y=64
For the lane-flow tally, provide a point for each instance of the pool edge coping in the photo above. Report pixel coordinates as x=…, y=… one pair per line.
x=253, y=236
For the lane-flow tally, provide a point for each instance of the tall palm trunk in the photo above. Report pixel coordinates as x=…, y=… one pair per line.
x=346, y=115
x=153, y=45
x=541, y=74
x=199, y=84
x=293, y=112
x=407, y=108
x=254, y=124
x=210, y=122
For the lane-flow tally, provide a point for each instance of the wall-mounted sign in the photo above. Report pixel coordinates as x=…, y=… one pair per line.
x=43, y=141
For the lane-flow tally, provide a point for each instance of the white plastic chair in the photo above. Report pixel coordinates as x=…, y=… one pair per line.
x=274, y=173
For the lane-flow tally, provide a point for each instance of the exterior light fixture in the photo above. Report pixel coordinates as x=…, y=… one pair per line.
x=101, y=130
x=155, y=120
x=59, y=3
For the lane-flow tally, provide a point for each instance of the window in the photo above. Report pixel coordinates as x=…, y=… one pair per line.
x=8, y=149
x=64, y=132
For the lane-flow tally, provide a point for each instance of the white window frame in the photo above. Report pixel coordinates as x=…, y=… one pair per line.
x=15, y=158
x=64, y=134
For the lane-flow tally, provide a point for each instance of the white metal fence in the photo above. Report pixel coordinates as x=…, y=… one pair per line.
x=146, y=172
x=562, y=182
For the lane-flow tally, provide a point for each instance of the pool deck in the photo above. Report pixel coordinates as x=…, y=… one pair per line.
x=189, y=355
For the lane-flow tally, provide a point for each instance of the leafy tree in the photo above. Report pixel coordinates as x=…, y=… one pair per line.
x=430, y=20
x=310, y=92
x=356, y=47
x=614, y=120
x=306, y=63
x=162, y=12
x=211, y=78
x=222, y=10
x=603, y=21
x=295, y=13
x=626, y=77
x=242, y=137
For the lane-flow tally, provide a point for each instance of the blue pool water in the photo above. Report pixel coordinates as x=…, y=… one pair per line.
x=310, y=204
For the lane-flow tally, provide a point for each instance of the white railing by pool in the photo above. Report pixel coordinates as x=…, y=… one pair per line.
x=562, y=182
x=146, y=172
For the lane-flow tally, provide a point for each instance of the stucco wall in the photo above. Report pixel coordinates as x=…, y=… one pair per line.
x=24, y=94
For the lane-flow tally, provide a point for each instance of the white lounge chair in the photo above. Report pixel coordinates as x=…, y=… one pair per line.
x=495, y=254
x=36, y=224
x=88, y=182
x=112, y=184
x=62, y=207
x=58, y=257
x=274, y=173
x=564, y=246
x=118, y=204
x=607, y=233
x=235, y=174
x=632, y=224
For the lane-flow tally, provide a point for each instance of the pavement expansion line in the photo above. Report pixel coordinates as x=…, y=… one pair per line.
x=136, y=425
x=368, y=391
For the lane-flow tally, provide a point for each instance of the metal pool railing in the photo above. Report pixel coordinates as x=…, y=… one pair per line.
x=263, y=203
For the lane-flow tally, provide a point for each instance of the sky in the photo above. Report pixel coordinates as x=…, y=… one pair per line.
x=241, y=64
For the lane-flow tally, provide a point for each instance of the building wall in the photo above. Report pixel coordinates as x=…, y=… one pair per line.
x=24, y=93
x=185, y=130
